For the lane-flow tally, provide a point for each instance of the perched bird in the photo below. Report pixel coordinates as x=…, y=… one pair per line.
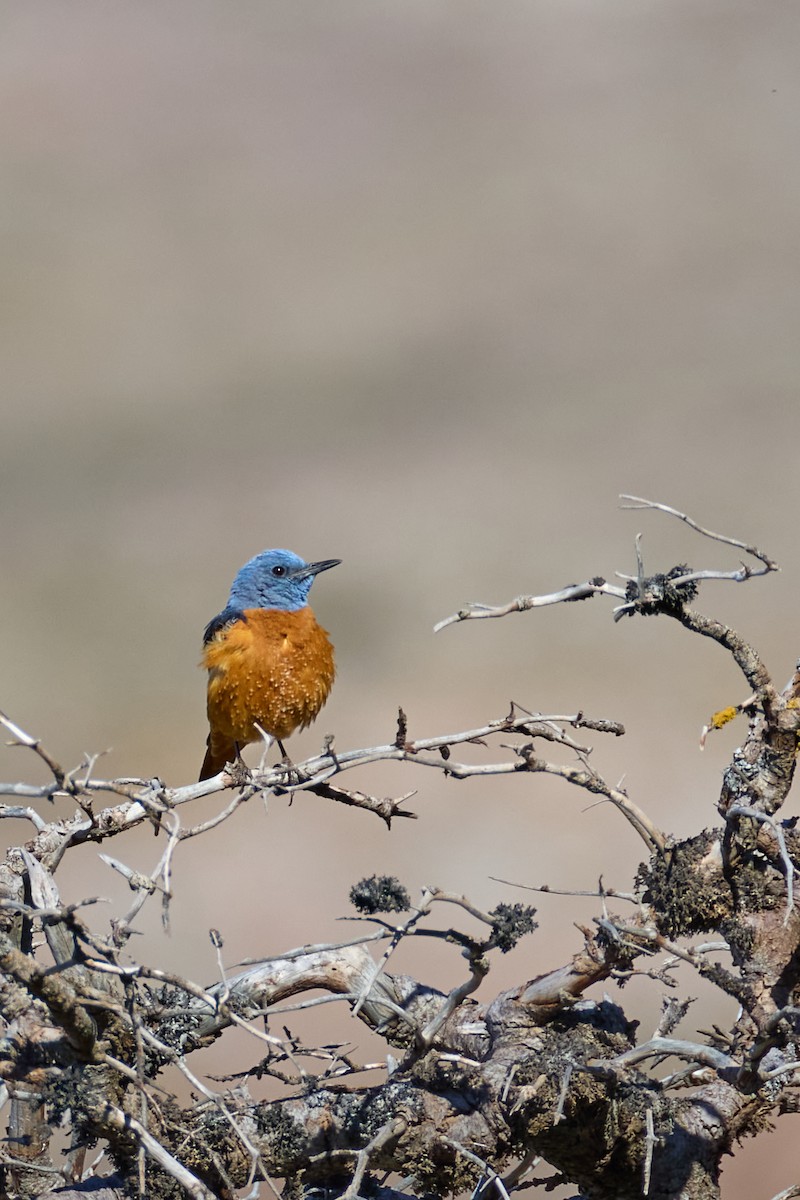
x=269, y=663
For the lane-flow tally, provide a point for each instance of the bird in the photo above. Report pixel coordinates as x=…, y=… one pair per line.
x=270, y=663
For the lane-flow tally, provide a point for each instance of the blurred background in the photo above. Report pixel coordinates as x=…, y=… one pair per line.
x=422, y=286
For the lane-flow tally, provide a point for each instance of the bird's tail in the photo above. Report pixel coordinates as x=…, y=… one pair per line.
x=220, y=750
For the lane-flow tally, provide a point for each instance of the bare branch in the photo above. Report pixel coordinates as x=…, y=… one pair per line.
x=479, y=968
x=743, y=810
x=390, y=1131
x=598, y=586
x=660, y=1047
x=574, y=591
x=25, y=814
x=746, y=658
x=124, y=1123
x=650, y=1144
x=585, y=777
x=491, y=1176
x=398, y=935
x=20, y=738
x=558, y=1115
x=600, y=893
x=637, y=502
x=151, y=800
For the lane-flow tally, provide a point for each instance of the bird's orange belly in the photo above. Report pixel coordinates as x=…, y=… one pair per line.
x=273, y=671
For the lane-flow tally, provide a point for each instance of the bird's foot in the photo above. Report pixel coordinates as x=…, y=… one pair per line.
x=293, y=775
x=239, y=772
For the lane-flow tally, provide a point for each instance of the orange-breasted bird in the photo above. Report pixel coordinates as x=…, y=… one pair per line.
x=269, y=663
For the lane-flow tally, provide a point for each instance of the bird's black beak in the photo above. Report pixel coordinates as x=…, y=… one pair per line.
x=311, y=569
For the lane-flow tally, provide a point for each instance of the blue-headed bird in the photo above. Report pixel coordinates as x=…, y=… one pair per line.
x=270, y=664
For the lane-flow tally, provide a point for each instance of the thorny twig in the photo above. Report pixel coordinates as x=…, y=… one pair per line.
x=151, y=800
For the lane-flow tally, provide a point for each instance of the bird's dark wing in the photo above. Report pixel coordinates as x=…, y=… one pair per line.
x=221, y=621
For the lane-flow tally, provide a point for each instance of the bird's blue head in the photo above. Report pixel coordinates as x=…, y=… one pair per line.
x=276, y=579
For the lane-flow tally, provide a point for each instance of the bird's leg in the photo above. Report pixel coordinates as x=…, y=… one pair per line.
x=236, y=761
x=292, y=773
x=239, y=767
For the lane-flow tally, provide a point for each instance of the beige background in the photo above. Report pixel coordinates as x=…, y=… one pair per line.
x=424, y=286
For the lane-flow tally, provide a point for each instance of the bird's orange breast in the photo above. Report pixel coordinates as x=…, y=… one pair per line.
x=272, y=669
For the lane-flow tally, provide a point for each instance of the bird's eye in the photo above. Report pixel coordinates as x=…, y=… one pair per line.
x=279, y=571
